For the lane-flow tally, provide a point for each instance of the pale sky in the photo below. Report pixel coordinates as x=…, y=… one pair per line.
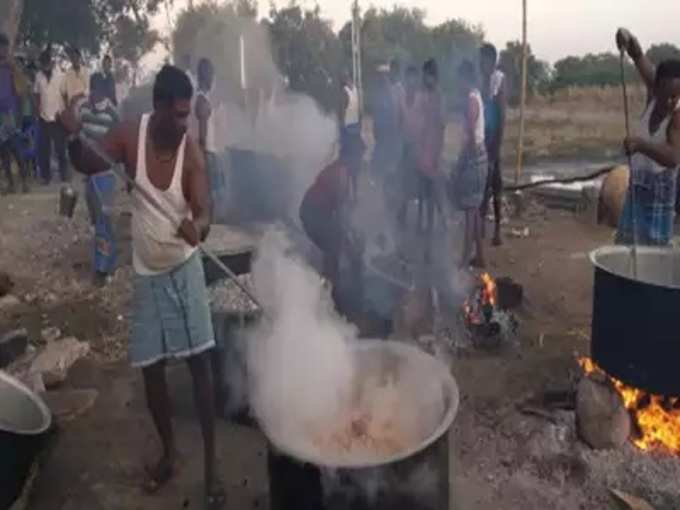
x=557, y=28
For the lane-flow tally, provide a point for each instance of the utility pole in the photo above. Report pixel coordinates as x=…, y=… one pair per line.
x=523, y=101
x=357, y=75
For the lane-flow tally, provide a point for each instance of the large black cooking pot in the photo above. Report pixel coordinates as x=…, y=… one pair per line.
x=414, y=479
x=24, y=421
x=636, y=321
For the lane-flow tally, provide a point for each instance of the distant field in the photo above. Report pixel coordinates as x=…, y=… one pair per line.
x=578, y=123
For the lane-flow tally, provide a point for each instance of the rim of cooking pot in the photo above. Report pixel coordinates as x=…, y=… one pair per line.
x=641, y=250
x=445, y=423
x=42, y=408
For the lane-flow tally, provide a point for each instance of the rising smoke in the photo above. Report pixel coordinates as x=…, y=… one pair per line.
x=300, y=364
x=266, y=118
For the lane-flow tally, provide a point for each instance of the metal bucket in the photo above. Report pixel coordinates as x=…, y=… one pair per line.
x=416, y=478
x=24, y=421
x=68, y=198
x=636, y=321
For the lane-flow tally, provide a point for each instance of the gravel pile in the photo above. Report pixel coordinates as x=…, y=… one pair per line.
x=225, y=296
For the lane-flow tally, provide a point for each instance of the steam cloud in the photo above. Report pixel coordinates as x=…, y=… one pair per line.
x=300, y=364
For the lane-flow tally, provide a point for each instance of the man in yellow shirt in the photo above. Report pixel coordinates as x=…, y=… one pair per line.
x=76, y=81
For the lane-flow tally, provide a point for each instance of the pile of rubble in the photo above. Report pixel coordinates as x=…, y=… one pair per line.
x=43, y=366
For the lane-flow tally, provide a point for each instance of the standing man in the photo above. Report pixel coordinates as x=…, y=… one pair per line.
x=431, y=145
x=108, y=81
x=205, y=132
x=495, y=106
x=412, y=127
x=50, y=103
x=98, y=117
x=649, y=210
x=469, y=182
x=350, y=132
x=76, y=82
x=10, y=117
x=171, y=317
x=387, y=128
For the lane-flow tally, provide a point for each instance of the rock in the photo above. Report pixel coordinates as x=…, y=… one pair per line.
x=57, y=358
x=601, y=417
x=67, y=405
x=12, y=346
x=6, y=284
x=8, y=301
x=50, y=334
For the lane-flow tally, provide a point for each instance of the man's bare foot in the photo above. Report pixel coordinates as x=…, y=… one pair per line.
x=159, y=475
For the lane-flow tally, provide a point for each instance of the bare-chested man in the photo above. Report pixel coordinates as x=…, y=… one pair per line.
x=171, y=318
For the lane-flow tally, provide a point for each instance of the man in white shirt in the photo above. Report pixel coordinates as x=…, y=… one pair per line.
x=76, y=82
x=50, y=103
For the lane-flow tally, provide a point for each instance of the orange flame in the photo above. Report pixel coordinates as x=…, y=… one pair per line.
x=657, y=418
x=486, y=294
x=490, y=290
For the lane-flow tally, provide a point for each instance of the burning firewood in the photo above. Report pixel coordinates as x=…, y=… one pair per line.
x=487, y=324
x=656, y=418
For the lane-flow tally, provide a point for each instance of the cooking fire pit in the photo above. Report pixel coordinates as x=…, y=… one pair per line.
x=405, y=462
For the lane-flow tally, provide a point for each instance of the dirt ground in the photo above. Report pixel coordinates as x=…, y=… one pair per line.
x=501, y=460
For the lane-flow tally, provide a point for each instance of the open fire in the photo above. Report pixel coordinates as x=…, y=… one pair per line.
x=480, y=307
x=656, y=418
x=485, y=321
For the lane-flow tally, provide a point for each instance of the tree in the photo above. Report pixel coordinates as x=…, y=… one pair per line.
x=603, y=69
x=307, y=52
x=402, y=33
x=92, y=25
x=129, y=43
x=660, y=52
x=211, y=30
x=538, y=71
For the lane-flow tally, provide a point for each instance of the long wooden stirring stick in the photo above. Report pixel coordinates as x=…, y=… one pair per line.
x=631, y=184
x=92, y=145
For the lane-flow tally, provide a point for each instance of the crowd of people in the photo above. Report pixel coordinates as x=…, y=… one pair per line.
x=31, y=99
x=409, y=124
x=409, y=127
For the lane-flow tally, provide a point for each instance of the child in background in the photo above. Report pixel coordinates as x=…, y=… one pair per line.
x=98, y=116
x=469, y=181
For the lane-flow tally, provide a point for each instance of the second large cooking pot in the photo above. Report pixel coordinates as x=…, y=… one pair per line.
x=636, y=320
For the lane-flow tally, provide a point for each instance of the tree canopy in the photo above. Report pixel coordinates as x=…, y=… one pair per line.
x=120, y=26
x=603, y=69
